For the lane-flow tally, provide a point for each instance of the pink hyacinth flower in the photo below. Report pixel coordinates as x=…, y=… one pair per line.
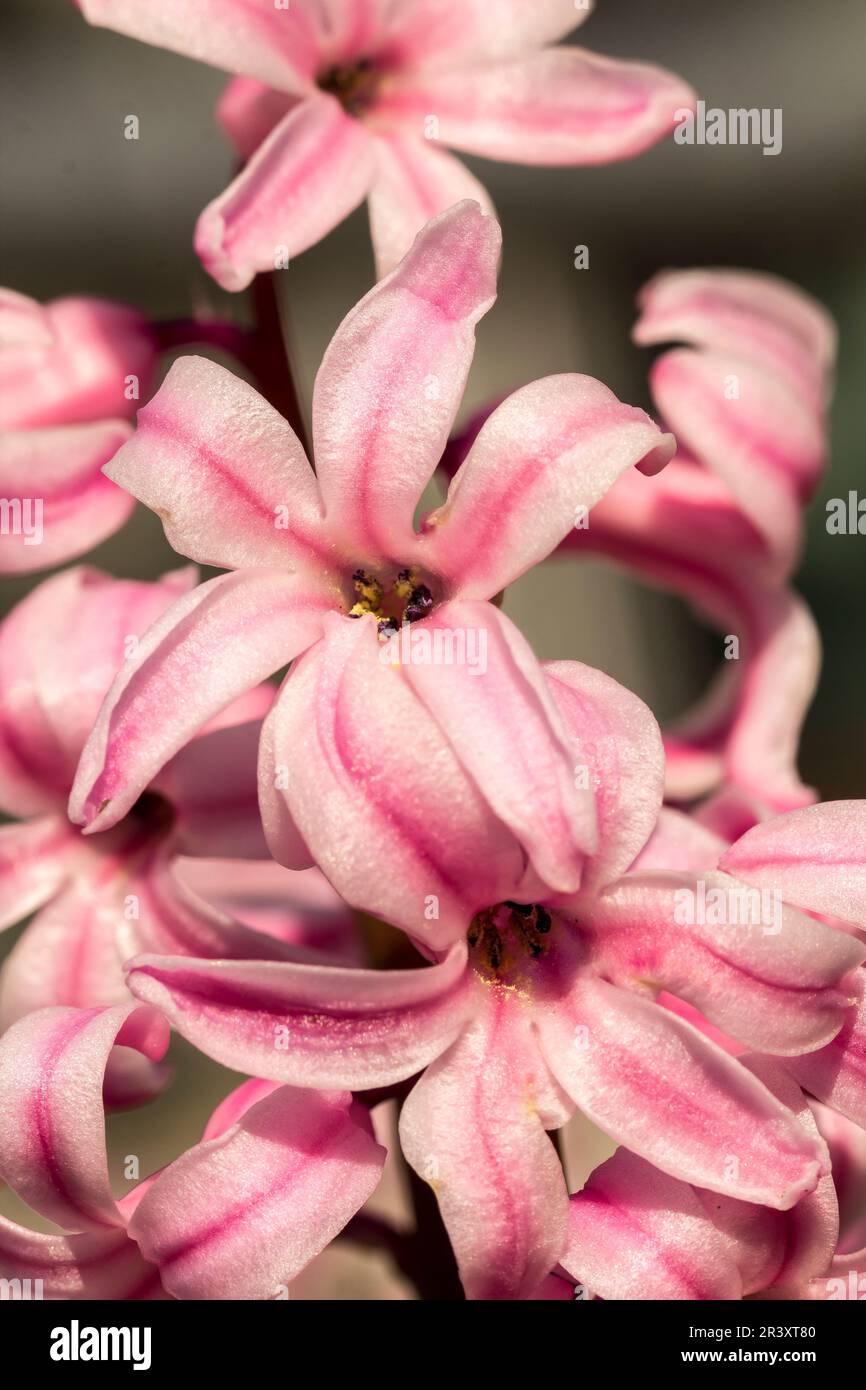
x=346, y=100
x=746, y=399
x=371, y=764
x=551, y=1004
x=99, y=900
x=277, y=1175
x=71, y=376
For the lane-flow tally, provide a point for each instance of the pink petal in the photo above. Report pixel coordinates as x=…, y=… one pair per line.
x=653, y=1083
x=212, y=785
x=683, y=532
x=635, y=1233
x=59, y=650
x=23, y=322
x=741, y=311
x=298, y=908
x=522, y=765
x=96, y=1265
x=766, y=442
x=248, y=110
x=549, y=450
x=224, y=472
x=679, y=844
x=392, y=378
x=236, y=1104
x=84, y=373
x=378, y=793
x=52, y=1143
x=557, y=106
x=780, y=1250
x=181, y=675
x=471, y=1127
x=35, y=858
x=436, y=33
x=767, y=975
x=837, y=1074
x=313, y=169
x=414, y=182
x=348, y=30
x=815, y=857
x=276, y=45
x=847, y=1144
x=617, y=741
x=730, y=812
x=171, y=919
x=311, y=1025
x=239, y=1216
x=69, y=953
x=66, y=506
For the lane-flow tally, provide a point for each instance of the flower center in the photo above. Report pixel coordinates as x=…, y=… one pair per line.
x=354, y=86
x=508, y=935
x=405, y=599
x=152, y=812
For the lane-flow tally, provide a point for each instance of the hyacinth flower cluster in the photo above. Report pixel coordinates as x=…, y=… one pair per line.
x=328, y=819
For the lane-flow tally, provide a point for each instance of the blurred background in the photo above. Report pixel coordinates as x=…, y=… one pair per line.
x=86, y=211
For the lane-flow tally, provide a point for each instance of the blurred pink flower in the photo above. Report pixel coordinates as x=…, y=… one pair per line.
x=371, y=765
x=746, y=399
x=551, y=1003
x=342, y=100
x=97, y=901
x=278, y=1174
x=72, y=374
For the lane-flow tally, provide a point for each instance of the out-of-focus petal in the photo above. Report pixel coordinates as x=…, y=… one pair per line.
x=100, y=363
x=556, y=106
x=23, y=321
x=679, y=844
x=170, y=918
x=751, y=427
x=96, y=1265
x=248, y=110
x=297, y=907
x=313, y=169
x=436, y=33
x=748, y=312
x=59, y=650
x=277, y=45
x=35, y=858
x=212, y=784
x=65, y=506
